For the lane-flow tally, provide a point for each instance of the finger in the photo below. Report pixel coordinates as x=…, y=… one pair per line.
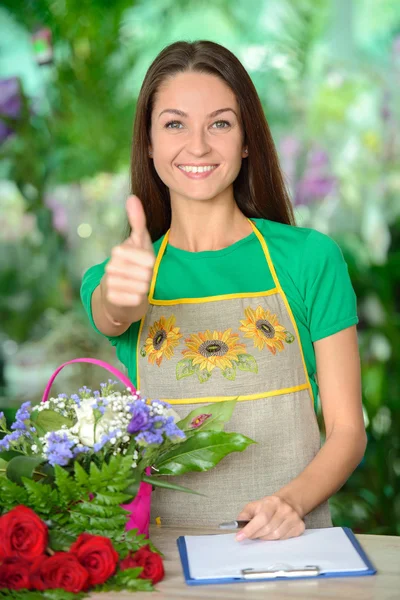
x=285, y=531
x=296, y=531
x=129, y=271
x=125, y=300
x=283, y=514
x=125, y=286
x=137, y=256
x=250, y=531
x=248, y=512
x=137, y=220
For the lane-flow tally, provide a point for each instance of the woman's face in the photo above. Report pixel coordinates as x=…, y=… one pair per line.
x=197, y=137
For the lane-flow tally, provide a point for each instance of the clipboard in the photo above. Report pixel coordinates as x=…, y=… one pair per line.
x=306, y=572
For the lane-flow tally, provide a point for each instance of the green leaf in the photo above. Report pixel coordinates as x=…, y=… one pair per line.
x=184, y=368
x=289, y=337
x=201, y=452
x=230, y=373
x=23, y=466
x=202, y=375
x=9, y=454
x=220, y=413
x=170, y=486
x=3, y=467
x=126, y=580
x=80, y=475
x=113, y=498
x=246, y=362
x=50, y=420
x=68, y=492
x=42, y=498
x=11, y=494
x=60, y=540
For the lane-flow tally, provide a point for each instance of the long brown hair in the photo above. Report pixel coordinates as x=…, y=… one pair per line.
x=259, y=188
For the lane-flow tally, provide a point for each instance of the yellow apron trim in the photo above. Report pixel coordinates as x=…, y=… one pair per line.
x=285, y=301
x=138, y=353
x=157, y=266
x=290, y=390
x=213, y=298
x=278, y=289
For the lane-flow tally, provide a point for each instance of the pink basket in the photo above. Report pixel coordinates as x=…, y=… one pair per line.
x=139, y=508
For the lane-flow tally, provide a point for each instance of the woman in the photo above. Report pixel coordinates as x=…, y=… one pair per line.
x=216, y=294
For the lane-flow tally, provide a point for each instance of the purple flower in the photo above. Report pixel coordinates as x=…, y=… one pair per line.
x=10, y=104
x=150, y=437
x=105, y=438
x=13, y=437
x=58, y=450
x=85, y=390
x=22, y=415
x=314, y=187
x=79, y=450
x=76, y=399
x=140, y=418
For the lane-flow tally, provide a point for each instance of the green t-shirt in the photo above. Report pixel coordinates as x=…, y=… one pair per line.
x=309, y=265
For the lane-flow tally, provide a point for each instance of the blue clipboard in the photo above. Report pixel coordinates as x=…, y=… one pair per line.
x=371, y=570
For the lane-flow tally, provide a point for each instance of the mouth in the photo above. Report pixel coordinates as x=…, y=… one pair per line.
x=198, y=174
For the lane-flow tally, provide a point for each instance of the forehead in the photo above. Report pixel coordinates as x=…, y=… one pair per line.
x=194, y=92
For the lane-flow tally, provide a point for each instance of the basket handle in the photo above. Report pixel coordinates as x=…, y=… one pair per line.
x=94, y=361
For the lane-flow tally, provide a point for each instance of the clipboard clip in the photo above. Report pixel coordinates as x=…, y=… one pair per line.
x=281, y=571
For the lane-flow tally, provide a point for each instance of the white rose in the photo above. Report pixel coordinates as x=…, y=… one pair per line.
x=85, y=424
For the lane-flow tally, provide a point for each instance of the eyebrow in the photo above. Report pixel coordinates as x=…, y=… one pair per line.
x=175, y=111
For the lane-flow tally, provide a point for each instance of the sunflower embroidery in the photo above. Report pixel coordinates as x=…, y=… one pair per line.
x=162, y=339
x=209, y=350
x=265, y=330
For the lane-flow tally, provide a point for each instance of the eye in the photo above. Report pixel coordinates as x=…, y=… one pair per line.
x=226, y=122
x=167, y=125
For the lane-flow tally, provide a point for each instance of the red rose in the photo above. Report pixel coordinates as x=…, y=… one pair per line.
x=14, y=573
x=62, y=570
x=22, y=533
x=97, y=554
x=151, y=562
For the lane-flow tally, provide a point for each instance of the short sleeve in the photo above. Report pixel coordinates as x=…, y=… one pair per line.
x=328, y=292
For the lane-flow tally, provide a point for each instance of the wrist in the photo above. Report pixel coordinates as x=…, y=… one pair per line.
x=289, y=498
x=109, y=311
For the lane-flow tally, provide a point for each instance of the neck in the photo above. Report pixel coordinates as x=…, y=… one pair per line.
x=198, y=226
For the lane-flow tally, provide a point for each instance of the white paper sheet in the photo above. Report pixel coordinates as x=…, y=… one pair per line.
x=219, y=556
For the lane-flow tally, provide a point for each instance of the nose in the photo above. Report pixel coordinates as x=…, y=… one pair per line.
x=197, y=143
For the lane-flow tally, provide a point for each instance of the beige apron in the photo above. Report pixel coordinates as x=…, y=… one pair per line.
x=194, y=351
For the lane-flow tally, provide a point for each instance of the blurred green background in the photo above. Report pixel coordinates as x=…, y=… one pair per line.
x=328, y=74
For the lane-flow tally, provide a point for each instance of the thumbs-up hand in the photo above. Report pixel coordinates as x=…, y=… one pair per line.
x=130, y=268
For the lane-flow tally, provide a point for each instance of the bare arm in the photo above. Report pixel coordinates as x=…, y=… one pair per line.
x=280, y=516
x=121, y=298
x=338, y=367
x=110, y=319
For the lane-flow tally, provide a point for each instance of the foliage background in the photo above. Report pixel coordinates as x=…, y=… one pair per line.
x=328, y=74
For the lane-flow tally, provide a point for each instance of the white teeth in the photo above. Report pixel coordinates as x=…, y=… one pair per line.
x=196, y=169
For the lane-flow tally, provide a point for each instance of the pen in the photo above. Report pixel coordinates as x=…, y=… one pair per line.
x=233, y=524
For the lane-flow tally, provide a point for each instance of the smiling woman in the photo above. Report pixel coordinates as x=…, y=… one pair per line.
x=216, y=294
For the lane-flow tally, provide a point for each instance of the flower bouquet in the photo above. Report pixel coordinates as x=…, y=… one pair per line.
x=76, y=474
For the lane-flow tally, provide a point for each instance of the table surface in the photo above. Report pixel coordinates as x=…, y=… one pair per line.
x=383, y=551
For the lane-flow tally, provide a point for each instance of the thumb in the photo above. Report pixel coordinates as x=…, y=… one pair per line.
x=137, y=221
x=247, y=513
